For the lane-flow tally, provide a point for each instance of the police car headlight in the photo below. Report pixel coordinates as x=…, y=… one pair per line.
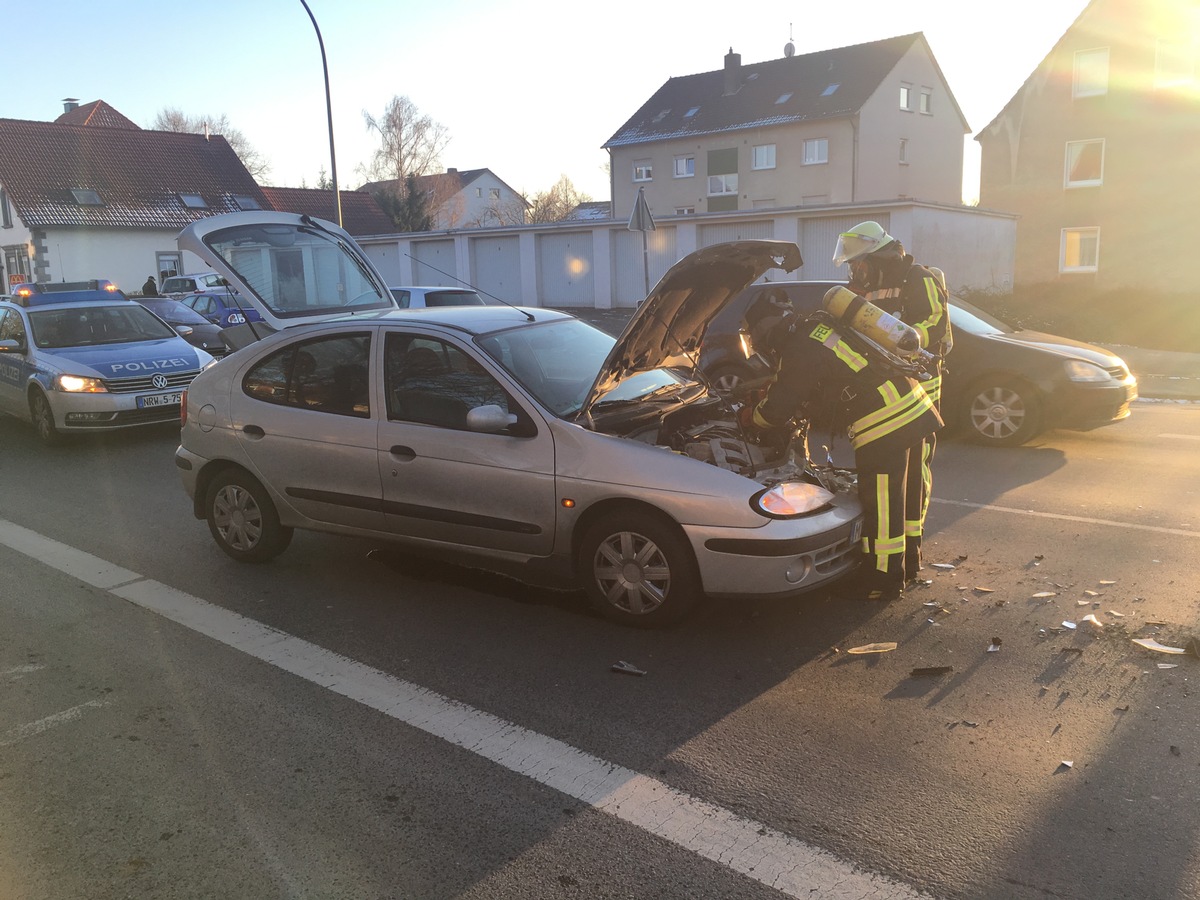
x=76, y=384
x=1078, y=370
x=792, y=498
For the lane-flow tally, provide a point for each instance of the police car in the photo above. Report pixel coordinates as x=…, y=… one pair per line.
x=81, y=356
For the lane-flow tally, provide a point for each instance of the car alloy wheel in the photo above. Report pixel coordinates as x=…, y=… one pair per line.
x=725, y=379
x=1003, y=413
x=638, y=569
x=242, y=518
x=42, y=417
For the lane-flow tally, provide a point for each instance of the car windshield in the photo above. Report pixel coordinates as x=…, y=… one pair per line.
x=87, y=325
x=973, y=319
x=175, y=313
x=297, y=271
x=558, y=361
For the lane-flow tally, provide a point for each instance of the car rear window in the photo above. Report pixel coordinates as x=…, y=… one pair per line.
x=453, y=298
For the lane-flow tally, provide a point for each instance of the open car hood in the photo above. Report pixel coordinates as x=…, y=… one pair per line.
x=294, y=269
x=669, y=325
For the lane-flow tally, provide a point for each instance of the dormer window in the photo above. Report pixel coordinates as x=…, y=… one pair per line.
x=691, y=112
x=242, y=201
x=193, y=201
x=86, y=197
x=784, y=98
x=828, y=92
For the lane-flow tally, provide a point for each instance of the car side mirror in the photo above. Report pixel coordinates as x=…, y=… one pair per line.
x=11, y=346
x=489, y=419
x=183, y=330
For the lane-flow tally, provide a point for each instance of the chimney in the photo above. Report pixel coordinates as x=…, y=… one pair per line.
x=733, y=72
x=70, y=103
x=450, y=171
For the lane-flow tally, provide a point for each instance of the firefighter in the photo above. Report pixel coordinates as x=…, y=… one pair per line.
x=822, y=373
x=885, y=275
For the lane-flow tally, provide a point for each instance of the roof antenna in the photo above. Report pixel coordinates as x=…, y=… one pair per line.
x=789, y=49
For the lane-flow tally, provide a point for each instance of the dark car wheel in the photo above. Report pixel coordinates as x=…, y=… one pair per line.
x=637, y=569
x=242, y=518
x=1002, y=412
x=42, y=417
x=726, y=379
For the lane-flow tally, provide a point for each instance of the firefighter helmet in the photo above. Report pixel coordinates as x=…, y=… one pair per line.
x=864, y=238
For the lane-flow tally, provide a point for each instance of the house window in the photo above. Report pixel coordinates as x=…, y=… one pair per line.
x=1080, y=250
x=720, y=185
x=5, y=210
x=763, y=157
x=1084, y=164
x=685, y=210
x=193, y=201
x=1091, y=72
x=685, y=166
x=643, y=170
x=493, y=193
x=1174, y=63
x=167, y=265
x=926, y=101
x=906, y=96
x=904, y=150
x=241, y=201
x=479, y=192
x=86, y=197
x=816, y=151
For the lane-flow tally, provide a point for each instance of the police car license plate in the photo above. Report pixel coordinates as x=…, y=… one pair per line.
x=153, y=401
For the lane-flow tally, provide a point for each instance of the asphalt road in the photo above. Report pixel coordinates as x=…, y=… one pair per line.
x=349, y=721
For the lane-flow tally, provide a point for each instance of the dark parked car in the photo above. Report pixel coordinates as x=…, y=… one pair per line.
x=200, y=332
x=1002, y=385
x=222, y=309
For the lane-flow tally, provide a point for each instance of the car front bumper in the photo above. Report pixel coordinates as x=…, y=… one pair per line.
x=112, y=411
x=1083, y=406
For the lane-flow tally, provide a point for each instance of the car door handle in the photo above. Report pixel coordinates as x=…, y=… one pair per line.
x=253, y=431
x=402, y=453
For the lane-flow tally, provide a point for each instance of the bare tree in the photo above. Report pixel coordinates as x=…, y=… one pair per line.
x=172, y=119
x=409, y=143
x=555, y=204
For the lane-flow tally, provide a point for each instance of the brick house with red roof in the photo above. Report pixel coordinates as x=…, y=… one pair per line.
x=92, y=195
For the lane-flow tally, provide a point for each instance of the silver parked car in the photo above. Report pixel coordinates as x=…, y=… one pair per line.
x=517, y=439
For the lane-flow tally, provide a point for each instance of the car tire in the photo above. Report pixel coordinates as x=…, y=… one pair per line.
x=637, y=569
x=726, y=379
x=1002, y=412
x=42, y=417
x=242, y=518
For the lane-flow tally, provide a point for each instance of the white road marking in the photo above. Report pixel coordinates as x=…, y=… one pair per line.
x=757, y=851
x=1157, y=529
x=21, y=732
x=17, y=671
x=1182, y=437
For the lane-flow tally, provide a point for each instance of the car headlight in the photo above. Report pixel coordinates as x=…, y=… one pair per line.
x=1078, y=370
x=77, y=384
x=792, y=498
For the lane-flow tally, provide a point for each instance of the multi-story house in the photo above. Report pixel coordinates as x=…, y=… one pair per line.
x=471, y=198
x=1097, y=151
x=869, y=122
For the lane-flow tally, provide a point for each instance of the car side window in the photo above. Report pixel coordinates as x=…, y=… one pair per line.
x=12, y=327
x=330, y=375
x=431, y=382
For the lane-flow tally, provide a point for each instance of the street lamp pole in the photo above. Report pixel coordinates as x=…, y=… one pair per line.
x=337, y=197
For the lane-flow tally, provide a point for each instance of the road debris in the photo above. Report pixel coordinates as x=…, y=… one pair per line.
x=931, y=671
x=1041, y=595
x=1107, y=582
x=1067, y=764
x=984, y=590
x=945, y=566
x=879, y=647
x=994, y=647
x=626, y=668
x=1091, y=619
x=1091, y=593
x=1168, y=665
x=1070, y=625
x=1152, y=644
x=1113, y=612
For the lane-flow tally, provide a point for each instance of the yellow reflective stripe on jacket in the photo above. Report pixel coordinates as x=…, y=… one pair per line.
x=890, y=418
x=893, y=403
x=933, y=387
x=934, y=296
x=826, y=336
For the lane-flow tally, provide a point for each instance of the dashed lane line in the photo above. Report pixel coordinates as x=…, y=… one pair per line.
x=743, y=845
x=1083, y=520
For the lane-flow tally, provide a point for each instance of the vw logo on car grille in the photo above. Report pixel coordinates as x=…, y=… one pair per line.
x=159, y=381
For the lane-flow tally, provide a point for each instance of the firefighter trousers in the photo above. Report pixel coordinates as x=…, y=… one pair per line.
x=889, y=487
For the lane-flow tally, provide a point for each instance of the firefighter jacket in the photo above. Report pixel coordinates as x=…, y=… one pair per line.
x=912, y=294
x=819, y=369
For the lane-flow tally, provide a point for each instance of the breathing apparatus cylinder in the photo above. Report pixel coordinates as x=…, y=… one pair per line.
x=872, y=322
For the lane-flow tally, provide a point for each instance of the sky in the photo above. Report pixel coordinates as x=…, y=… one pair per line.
x=529, y=89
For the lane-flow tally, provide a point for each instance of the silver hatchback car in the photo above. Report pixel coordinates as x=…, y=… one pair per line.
x=517, y=439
